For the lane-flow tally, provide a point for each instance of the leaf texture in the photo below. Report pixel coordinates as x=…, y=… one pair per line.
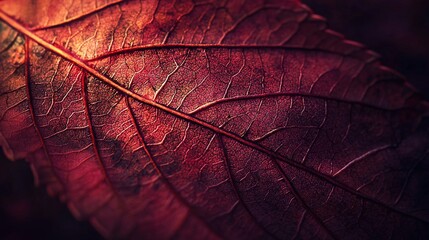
x=212, y=119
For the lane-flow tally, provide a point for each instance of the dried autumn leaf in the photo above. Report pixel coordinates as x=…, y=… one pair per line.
x=236, y=119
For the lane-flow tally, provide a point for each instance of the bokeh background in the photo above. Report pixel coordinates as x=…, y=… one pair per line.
x=397, y=29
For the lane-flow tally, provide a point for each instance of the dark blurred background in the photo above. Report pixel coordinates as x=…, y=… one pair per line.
x=397, y=29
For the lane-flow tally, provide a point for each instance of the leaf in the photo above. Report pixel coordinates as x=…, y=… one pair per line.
x=238, y=120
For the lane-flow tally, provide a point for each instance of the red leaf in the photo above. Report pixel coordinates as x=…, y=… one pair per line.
x=212, y=120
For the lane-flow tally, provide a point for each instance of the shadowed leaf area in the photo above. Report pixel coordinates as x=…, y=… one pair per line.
x=212, y=120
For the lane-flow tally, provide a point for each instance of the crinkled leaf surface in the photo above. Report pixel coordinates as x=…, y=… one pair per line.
x=212, y=119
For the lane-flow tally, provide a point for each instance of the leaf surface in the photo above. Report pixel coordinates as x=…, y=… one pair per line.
x=237, y=120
